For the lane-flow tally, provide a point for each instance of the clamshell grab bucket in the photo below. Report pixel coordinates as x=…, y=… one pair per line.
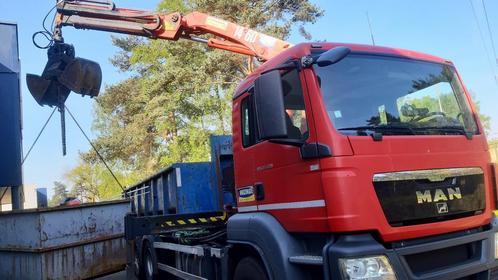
x=64, y=73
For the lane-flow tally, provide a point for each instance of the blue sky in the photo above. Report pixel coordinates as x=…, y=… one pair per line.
x=444, y=28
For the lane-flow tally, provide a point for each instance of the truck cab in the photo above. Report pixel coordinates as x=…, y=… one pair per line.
x=372, y=165
x=346, y=162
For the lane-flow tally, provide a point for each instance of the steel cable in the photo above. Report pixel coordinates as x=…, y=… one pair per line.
x=481, y=35
x=38, y=137
x=489, y=31
x=96, y=151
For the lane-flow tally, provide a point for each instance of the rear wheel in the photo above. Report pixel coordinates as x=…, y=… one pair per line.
x=148, y=265
x=249, y=268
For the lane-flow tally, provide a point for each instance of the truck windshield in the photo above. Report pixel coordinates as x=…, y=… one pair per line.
x=367, y=94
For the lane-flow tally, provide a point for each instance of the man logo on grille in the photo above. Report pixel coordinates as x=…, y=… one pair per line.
x=442, y=207
x=436, y=195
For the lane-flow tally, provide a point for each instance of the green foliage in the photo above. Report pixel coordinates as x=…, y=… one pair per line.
x=93, y=182
x=60, y=193
x=440, y=98
x=485, y=119
x=450, y=106
x=179, y=93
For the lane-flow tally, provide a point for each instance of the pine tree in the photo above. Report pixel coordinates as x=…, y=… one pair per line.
x=180, y=92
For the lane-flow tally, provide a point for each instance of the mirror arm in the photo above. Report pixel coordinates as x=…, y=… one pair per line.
x=307, y=61
x=285, y=66
x=287, y=141
x=312, y=150
x=315, y=150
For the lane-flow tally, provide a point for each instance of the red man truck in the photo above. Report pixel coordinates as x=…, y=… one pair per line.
x=346, y=162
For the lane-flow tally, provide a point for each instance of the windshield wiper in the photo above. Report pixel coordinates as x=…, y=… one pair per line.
x=366, y=127
x=380, y=130
x=455, y=129
x=377, y=136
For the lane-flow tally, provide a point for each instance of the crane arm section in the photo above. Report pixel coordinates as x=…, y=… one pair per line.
x=103, y=15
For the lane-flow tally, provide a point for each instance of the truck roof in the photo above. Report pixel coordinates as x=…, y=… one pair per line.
x=303, y=49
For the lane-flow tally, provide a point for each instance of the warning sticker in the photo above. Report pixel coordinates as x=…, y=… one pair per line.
x=267, y=41
x=216, y=22
x=246, y=194
x=167, y=25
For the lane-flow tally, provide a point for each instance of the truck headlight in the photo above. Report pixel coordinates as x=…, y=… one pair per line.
x=371, y=268
x=496, y=245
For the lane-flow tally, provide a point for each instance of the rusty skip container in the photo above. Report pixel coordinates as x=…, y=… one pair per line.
x=75, y=242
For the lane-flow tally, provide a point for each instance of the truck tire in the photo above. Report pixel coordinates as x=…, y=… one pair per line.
x=148, y=265
x=249, y=268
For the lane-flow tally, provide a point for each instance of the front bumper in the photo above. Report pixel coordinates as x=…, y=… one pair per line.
x=462, y=255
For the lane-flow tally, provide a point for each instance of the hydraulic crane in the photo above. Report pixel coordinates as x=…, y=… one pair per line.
x=65, y=73
x=103, y=15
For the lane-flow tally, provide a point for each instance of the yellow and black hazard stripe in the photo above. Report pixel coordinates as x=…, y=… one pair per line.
x=195, y=220
x=157, y=224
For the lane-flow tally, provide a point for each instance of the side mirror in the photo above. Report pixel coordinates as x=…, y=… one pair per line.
x=332, y=56
x=269, y=103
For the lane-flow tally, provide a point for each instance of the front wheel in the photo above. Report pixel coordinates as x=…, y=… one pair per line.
x=249, y=268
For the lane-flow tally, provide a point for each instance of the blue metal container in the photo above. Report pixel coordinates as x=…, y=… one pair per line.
x=181, y=188
x=10, y=108
x=185, y=188
x=222, y=167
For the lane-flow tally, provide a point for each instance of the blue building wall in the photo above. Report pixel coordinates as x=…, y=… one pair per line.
x=10, y=108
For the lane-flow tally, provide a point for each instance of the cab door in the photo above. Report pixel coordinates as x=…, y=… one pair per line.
x=286, y=185
x=244, y=140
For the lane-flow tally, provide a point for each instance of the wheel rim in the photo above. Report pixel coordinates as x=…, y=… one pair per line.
x=149, y=267
x=137, y=266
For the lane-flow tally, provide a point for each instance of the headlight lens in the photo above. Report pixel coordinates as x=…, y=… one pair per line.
x=368, y=268
x=496, y=245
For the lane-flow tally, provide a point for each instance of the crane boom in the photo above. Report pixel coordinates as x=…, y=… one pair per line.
x=65, y=73
x=101, y=15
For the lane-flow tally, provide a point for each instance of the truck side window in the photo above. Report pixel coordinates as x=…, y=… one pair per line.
x=295, y=113
x=248, y=122
x=297, y=126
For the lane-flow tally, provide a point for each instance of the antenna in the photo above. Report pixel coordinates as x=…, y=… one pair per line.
x=370, y=27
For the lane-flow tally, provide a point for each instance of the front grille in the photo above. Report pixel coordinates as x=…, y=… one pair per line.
x=418, y=200
x=426, y=262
